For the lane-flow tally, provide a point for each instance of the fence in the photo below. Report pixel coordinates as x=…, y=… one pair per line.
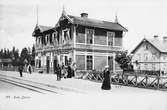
x=132, y=79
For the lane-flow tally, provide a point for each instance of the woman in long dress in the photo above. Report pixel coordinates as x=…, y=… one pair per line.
x=106, y=81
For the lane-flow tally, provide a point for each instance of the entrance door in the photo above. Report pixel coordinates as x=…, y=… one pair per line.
x=47, y=65
x=110, y=63
x=54, y=64
x=66, y=60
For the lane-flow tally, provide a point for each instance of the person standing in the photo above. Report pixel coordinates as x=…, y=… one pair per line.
x=69, y=70
x=106, y=81
x=74, y=69
x=58, y=72
x=29, y=68
x=20, y=70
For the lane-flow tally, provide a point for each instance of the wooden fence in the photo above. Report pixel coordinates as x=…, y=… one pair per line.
x=133, y=79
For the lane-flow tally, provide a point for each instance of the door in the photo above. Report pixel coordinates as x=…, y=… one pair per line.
x=47, y=65
x=55, y=64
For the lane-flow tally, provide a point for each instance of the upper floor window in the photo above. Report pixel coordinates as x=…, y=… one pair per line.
x=47, y=39
x=146, y=46
x=139, y=57
x=153, y=67
x=89, y=35
x=145, y=56
x=153, y=57
x=110, y=36
x=66, y=36
x=54, y=37
x=146, y=66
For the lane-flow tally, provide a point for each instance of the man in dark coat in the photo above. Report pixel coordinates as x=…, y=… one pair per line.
x=20, y=70
x=106, y=81
x=69, y=70
x=58, y=72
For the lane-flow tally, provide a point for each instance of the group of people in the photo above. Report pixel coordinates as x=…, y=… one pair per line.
x=69, y=72
x=63, y=71
x=21, y=68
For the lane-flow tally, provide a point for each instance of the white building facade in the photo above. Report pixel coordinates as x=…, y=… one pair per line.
x=151, y=55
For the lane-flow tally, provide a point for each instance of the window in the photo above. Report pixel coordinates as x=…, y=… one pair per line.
x=47, y=39
x=89, y=34
x=110, y=36
x=153, y=57
x=89, y=63
x=139, y=57
x=54, y=38
x=146, y=46
x=80, y=59
x=50, y=39
x=145, y=56
x=153, y=67
x=66, y=36
x=146, y=66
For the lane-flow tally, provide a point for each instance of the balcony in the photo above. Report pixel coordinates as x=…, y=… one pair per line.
x=98, y=47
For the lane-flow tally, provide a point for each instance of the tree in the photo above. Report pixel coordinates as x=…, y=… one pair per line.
x=24, y=56
x=33, y=56
x=1, y=53
x=15, y=56
x=124, y=60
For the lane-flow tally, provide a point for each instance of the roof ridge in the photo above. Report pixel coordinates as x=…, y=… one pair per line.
x=93, y=19
x=45, y=26
x=97, y=23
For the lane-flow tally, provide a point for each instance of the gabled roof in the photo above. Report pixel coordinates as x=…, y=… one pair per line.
x=44, y=28
x=97, y=23
x=41, y=28
x=158, y=44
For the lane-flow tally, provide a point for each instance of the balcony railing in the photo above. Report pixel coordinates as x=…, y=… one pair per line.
x=98, y=47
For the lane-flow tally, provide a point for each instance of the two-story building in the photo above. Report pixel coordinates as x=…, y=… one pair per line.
x=89, y=43
x=151, y=54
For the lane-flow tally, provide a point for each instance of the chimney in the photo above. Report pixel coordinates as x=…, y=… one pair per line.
x=165, y=39
x=155, y=36
x=84, y=15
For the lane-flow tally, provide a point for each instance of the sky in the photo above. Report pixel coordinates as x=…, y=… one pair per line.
x=142, y=18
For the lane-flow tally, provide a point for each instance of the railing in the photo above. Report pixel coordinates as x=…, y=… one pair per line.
x=132, y=79
x=97, y=47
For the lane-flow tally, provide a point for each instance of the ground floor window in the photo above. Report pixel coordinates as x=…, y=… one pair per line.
x=89, y=62
x=80, y=62
x=100, y=62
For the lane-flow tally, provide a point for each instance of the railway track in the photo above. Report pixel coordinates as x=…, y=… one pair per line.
x=28, y=86
x=36, y=86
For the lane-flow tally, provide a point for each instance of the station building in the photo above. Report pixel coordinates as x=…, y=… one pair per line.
x=89, y=43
